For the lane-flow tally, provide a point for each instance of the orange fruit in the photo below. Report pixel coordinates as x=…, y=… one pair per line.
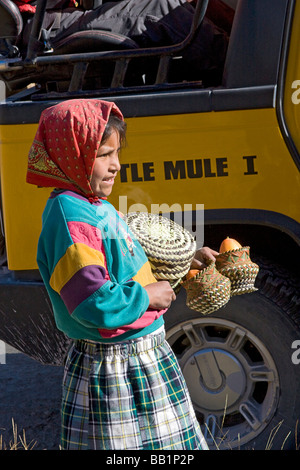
x=229, y=244
x=191, y=273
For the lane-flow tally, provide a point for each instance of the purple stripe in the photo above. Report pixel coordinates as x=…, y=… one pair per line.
x=83, y=284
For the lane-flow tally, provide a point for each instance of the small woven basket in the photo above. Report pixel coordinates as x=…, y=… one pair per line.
x=208, y=291
x=169, y=247
x=238, y=267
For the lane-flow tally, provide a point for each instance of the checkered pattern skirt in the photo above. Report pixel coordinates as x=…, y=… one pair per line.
x=127, y=396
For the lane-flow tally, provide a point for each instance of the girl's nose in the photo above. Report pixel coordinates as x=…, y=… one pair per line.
x=115, y=162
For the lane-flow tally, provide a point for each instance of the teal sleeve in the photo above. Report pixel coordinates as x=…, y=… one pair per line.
x=112, y=306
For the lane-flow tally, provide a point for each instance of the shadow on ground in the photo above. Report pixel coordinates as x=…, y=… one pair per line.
x=30, y=394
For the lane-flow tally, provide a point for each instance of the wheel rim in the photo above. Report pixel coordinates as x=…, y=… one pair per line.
x=231, y=377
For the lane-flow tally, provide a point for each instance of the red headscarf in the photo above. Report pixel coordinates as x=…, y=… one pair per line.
x=66, y=144
x=25, y=6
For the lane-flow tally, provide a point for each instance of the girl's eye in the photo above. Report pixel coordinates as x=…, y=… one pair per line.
x=110, y=153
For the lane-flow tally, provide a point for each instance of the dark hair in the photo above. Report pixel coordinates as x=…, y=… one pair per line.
x=114, y=123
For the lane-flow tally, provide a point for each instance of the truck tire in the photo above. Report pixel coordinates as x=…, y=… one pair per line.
x=240, y=366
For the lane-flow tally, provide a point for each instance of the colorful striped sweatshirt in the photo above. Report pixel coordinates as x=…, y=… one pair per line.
x=94, y=271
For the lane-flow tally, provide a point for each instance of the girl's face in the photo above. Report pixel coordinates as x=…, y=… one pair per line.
x=106, y=166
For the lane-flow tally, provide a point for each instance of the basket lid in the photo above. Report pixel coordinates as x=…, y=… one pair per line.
x=162, y=238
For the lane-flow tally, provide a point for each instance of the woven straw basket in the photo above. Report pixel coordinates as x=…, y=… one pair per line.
x=169, y=247
x=238, y=267
x=208, y=291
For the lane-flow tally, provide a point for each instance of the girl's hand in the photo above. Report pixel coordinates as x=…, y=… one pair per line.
x=161, y=294
x=202, y=257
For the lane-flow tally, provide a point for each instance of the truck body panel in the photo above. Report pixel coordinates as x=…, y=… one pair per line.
x=222, y=160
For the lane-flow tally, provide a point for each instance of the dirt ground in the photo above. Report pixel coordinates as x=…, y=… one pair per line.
x=30, y=394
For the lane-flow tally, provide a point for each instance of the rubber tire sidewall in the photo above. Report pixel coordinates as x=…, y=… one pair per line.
x=271, y=325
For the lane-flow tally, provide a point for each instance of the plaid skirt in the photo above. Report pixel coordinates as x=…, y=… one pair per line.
x=127, y=396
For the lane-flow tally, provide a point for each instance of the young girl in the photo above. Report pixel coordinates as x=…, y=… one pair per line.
x=122, y=386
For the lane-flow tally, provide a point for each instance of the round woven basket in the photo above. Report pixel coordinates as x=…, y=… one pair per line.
x=208, y=291
x=169, y=247
x=238, y=267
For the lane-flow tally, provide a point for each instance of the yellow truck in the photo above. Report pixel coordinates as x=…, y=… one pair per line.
x=221, y=156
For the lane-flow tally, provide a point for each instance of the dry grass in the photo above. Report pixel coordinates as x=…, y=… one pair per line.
x=18, y=442
x=269, y=445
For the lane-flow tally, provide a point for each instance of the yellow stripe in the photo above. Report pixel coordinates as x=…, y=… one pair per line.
x=76, y=257
x=144, y=276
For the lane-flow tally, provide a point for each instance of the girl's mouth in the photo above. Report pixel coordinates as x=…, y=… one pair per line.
x=109, y=180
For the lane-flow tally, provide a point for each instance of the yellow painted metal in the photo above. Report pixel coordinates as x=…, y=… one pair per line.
x=22, y=203
x=292, y=81
x=224, y=160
